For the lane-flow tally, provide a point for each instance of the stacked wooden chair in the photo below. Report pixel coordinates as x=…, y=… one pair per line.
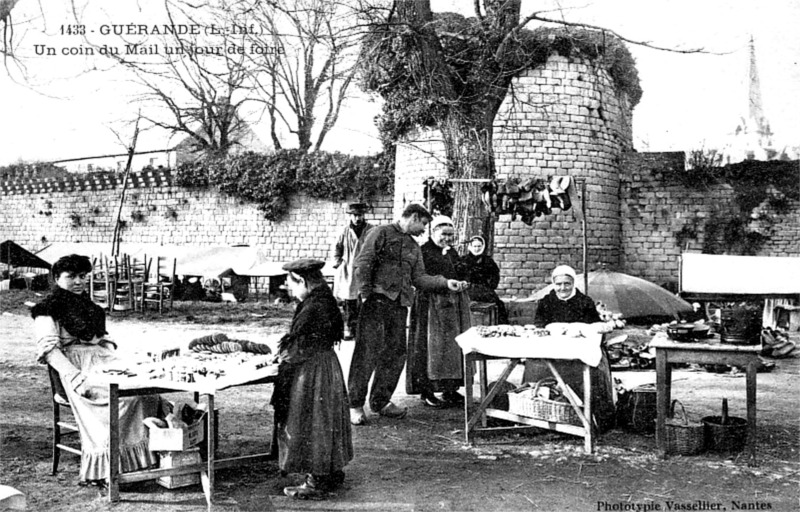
x=102, y=282
x=158, y=289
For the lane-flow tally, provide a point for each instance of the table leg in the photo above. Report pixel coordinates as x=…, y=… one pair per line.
x=752, y=440
x=483, y=379
x=588, y=440
x=113, y=442
x=468, y=385
x=663, y=392
x=207, y=479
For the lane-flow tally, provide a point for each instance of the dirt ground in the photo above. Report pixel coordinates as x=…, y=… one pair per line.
x=420, y=463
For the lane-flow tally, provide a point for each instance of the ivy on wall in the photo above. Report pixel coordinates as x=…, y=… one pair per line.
x=406, y=107
x=269, y=180
x=773, y=184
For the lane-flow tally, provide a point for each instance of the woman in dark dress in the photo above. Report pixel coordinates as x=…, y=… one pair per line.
x=566, y=304
x=483, y=276
x=310, y=399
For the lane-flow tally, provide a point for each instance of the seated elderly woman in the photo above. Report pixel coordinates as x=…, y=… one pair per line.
x=483, y=276
x=565, y=303
x=70, y=336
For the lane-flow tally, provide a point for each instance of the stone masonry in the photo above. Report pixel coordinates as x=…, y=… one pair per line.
x=36, y=213
x=565, y=118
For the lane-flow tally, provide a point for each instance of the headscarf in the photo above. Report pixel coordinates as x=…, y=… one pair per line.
x=441, y=220
x=469, y=247
x=565, y=270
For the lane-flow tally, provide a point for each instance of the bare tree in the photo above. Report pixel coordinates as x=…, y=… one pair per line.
x=6, y=6
x=303, y=55
x=196, y=85
x=453, y=73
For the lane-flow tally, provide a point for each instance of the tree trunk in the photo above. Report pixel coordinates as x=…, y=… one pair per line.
x=469, y=157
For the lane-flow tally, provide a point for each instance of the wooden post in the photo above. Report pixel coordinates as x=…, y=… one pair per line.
x=585, y=238
x=131, y=151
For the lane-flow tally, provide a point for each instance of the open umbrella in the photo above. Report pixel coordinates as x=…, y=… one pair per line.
x=629, y=295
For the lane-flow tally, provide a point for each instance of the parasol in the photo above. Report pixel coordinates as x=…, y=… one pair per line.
x=629, y=295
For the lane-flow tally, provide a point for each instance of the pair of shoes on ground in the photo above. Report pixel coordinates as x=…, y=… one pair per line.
x=315, y=488
x=101, y=484
x=358, y=416
x=432, y=401
x=390, y=410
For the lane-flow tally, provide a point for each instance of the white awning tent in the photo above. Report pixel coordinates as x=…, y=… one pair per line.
x=713, y=276
x=190, y=260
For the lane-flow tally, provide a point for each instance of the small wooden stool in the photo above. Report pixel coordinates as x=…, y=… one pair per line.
x=483, y=313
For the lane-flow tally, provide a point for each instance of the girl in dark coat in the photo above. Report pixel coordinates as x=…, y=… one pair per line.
x=310, y=399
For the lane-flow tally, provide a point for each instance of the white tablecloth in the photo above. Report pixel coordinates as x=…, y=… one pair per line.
x=586, y=350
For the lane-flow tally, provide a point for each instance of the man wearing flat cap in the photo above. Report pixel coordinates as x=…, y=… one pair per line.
x=388, y=265
x=345, y=288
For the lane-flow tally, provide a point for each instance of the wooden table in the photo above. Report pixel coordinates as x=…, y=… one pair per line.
x=122, y=387
x=669, y=352
x=546, y=348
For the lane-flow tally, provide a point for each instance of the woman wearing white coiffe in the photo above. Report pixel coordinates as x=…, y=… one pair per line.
x=70, y=337
x=566, y=304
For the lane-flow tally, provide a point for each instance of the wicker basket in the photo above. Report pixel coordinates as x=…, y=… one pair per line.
x=636, y=409
x=525, y=402
x=726, y=434
x=682, y=436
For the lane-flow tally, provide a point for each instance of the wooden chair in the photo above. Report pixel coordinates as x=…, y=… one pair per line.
x=483, y=313
x=123, y=294
x=160, y=285
x=60, y=401
x=129, y=283
x=102, y=283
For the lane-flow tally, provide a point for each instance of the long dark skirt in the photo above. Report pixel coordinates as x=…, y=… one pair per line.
x=316, y=436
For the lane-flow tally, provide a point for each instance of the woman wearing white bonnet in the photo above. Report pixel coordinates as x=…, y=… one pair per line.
x=565, y=303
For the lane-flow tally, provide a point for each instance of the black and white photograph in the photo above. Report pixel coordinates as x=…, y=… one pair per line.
x=400, y=255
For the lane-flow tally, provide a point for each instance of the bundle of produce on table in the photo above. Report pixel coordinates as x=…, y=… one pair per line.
x=194, y=366
x=579, y=329
x=495, y=331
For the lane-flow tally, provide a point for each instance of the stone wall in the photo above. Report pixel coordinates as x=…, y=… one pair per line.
x=565, y=118
x=656, y=207
x=37, y=213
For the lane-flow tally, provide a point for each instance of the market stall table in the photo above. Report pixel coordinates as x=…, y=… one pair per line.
x=669, y=352
x=479, y=349
x=122, y=386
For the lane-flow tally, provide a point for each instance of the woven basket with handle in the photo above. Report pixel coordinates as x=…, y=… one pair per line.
x=683, y=437
x=525, y=401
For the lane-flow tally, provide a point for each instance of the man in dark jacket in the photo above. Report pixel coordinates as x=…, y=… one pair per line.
x=388, y=264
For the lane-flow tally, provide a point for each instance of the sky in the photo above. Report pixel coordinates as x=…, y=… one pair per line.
x=690, y=101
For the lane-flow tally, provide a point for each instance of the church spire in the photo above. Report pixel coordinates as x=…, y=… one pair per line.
x=756, y=110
